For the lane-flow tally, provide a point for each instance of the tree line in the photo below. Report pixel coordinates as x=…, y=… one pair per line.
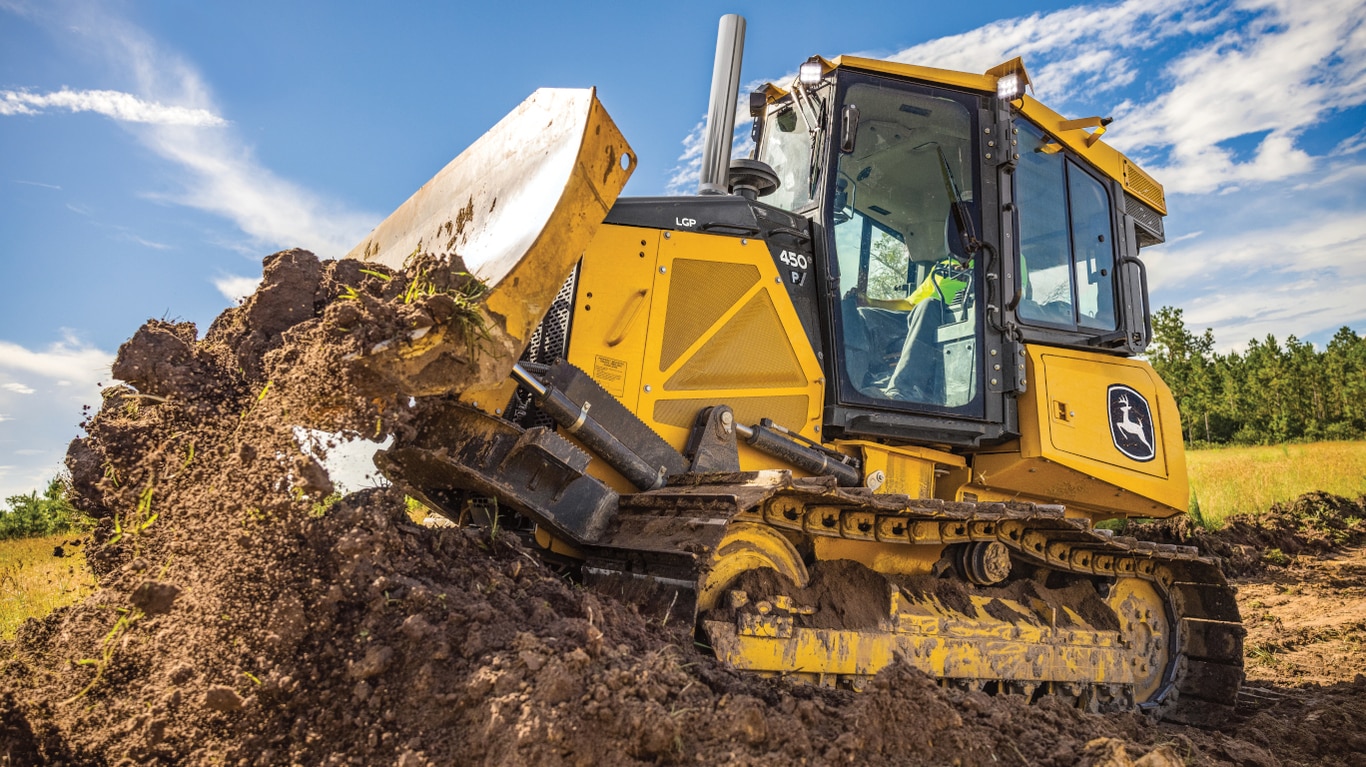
x=35, y=515
x=1270, y=393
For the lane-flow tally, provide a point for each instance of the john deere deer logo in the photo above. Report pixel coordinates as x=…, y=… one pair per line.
x=1131, y=424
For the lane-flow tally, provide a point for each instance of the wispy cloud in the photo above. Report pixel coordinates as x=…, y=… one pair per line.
x=120, y=106
x=69, y=359
x=1083, y=49
x=17, y=388
x=38, y=184
x=684, y=176
x=1279, y=72
x=144, y=242
x=170, y=109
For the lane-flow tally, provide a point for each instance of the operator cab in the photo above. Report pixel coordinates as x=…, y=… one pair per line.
x=953, y=228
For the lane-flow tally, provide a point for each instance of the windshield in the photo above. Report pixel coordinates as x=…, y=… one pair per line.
x=906, y=274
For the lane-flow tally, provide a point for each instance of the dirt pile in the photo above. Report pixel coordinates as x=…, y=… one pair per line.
x=246, y=616
x=1311, y=525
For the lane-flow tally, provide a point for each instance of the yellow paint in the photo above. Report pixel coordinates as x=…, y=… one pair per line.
x=611, y=318
x=906, y=469
x=890, y=558
x=1066, y=453
x=672, y=322
x=932, y=638
x=748, y=546
x=1146, y=631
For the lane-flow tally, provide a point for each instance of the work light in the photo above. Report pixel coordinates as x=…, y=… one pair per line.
x=1008, y=87
x=811, y=71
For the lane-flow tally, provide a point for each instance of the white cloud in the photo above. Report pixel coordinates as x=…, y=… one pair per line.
x=226, y=179
x=120, y=106
x=1278, y=73
x=34, y=430
x=1083, y=49
x=235, y=288
x=684, y=176
x=1274, y=268
x=67, y=360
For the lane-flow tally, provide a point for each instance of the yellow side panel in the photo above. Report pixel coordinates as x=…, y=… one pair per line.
x=904, y=469
x=1073, y=393
x=723, y=331
x=673, y=322
x=612, y=309
x=1082, y=411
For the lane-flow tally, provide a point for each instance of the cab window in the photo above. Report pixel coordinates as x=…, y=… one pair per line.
x=908, y=315
x=1067, y=257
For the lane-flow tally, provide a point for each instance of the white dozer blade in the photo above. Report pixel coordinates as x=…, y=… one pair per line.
x=518, y=208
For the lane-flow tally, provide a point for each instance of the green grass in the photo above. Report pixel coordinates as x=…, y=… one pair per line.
x=33, y=583
x=1238, y=480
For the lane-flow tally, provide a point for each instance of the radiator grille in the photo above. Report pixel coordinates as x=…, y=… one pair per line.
x=1150, y=229
x=751, y=350
x=699, y=293
x=547, y=344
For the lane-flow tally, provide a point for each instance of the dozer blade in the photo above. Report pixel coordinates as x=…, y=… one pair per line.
x=515, y=210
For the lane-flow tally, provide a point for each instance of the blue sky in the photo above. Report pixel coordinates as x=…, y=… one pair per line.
x=151, y=153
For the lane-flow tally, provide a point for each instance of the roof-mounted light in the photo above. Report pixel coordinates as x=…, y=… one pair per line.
x=1010, y=86
x=1011, y=79
x=811, y=71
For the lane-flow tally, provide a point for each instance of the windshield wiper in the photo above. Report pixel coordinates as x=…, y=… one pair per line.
x=962, y=217
x=806, y=99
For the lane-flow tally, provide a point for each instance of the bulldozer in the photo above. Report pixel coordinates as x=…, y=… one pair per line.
x=868, y=397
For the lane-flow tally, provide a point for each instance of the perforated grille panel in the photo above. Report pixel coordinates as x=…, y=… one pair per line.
x=548, y=343
x=1150, y=230
x=700, y=292
x=1143, y=186
x=751, y=350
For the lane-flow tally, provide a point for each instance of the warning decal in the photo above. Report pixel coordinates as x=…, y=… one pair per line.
x=610, y=375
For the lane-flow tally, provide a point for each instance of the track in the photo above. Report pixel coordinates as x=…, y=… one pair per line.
x=1177, y=651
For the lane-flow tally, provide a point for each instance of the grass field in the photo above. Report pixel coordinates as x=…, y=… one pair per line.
x=33, y=582
x=1236, y=480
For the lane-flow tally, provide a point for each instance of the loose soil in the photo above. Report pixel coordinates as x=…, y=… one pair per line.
x=245, y=616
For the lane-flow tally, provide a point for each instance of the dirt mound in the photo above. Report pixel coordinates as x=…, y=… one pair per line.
x=1311, y=525
x=247, y=616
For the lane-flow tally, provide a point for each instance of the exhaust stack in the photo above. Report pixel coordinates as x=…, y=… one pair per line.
x=725, y=90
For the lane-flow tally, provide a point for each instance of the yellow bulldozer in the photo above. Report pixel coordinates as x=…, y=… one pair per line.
x=862, y=399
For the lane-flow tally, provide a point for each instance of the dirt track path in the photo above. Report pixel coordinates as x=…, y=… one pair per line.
x=1307, y=623
x=1305, y=696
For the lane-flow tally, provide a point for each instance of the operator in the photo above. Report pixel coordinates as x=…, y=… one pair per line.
x=918, y=368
